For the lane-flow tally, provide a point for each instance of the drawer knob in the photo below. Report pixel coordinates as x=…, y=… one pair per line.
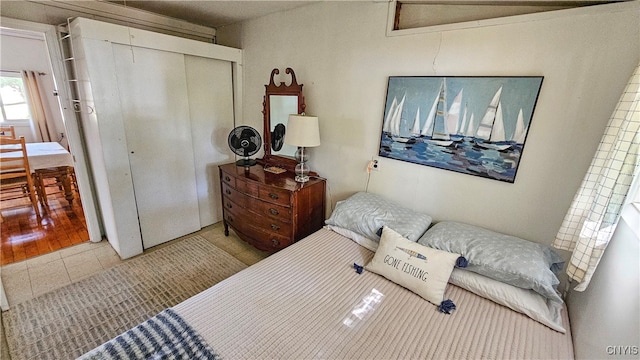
x=230, y=218
x=229, y=206
x=275, y=227
x=227, y=191
x=273, y=196
x=275, y=243
x=274, y=211
x=227, y=178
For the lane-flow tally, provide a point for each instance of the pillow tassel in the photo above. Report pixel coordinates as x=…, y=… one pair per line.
x=447, y=306
x=358, y=268
x=462, y=262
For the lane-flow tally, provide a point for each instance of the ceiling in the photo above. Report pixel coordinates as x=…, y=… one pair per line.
x=214, y=13
x=219, y=13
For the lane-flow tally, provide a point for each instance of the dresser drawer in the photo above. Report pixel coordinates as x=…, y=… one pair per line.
x=244, y=186
x=279, y=224
x=273, y=225
x=233, y=194
x=231, y=218
x=230, y=205
x=272, y=211
x=260, y=237
x=234, y=200
x=228, y=179
x=247, y=187
x=266, y=240
x=274, y=195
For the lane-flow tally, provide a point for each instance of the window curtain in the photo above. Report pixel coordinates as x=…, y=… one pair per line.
x=38, y=105
x=594, y=214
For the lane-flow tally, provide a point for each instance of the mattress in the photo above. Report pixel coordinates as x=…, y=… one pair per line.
x=307, y=301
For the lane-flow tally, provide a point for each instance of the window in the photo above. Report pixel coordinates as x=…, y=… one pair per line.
x=13, y=99
x=436, y=15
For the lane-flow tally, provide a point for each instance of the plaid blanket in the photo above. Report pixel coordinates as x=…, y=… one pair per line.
x=164, y=336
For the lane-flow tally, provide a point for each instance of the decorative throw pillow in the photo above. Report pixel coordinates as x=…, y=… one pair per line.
x=366, y=213
x=505, y=258
x=421, y=269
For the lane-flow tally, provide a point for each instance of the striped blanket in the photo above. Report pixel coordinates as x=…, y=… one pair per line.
x=164, y=336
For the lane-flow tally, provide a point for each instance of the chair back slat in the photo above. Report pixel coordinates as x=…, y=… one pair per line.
x=15, y=173
x=7, y=132
x=13, y=155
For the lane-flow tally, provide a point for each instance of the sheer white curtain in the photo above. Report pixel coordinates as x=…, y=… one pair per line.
x=593, y=216
x=38, y=105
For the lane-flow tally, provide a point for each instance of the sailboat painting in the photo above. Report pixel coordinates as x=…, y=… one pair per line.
x=472, y=125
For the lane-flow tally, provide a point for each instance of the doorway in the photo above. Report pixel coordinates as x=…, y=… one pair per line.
x=63, y=223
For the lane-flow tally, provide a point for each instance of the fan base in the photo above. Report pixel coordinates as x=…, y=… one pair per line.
x=246, y=162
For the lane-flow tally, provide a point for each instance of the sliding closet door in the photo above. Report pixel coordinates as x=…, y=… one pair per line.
x=210, y=88
x=153, y=94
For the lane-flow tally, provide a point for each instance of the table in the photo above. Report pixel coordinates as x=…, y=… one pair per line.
x=50, y=160
x=46, y=155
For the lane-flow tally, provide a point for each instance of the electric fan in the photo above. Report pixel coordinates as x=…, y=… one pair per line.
x=245, y=141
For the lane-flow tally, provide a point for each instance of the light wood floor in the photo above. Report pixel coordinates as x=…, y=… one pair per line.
x=23, y=236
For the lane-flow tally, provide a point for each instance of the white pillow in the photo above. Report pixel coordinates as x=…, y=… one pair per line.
x=524, y=301
x=421, y=269
x=359, y=239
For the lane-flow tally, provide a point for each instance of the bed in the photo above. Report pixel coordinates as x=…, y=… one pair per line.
x=310, y=301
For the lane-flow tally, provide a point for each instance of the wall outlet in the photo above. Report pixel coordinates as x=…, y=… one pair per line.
x=373, y=166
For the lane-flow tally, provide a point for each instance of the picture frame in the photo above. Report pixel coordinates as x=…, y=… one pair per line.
x=476, y=125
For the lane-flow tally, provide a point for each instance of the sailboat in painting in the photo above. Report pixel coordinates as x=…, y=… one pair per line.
x=386, y=126
x=521, y=131
x=427, y=128
x=393, y=120
x=490, y=133
x=439, y=133
x=415, y=129
x=453, y=117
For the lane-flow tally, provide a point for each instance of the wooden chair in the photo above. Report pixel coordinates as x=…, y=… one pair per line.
x=7, y=132
x=59, y=177
x=15, y=174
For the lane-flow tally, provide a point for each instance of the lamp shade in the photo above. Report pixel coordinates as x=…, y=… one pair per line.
x=302, y=130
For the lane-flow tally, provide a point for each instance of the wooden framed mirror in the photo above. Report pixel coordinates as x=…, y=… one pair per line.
x=279, y=102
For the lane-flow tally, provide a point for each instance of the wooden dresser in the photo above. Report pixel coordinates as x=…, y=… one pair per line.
x=270, y=211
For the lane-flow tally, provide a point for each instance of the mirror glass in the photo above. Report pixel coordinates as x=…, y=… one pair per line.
x=280, y=101
x=280, y=108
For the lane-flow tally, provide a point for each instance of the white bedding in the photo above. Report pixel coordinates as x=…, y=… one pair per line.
x=299, y=304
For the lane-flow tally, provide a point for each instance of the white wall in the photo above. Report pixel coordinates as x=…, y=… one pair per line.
x=340, y=52
x=28, y=53
x=605, y=318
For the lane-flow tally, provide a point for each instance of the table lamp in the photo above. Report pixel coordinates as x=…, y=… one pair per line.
x=302, y=131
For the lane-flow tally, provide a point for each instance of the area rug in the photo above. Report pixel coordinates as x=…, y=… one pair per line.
x=68, y=322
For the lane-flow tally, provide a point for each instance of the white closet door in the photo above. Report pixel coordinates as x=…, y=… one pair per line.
x=210, y=87
x=153, y=95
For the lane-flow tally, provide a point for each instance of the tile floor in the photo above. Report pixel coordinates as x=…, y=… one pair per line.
x=30, y=278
